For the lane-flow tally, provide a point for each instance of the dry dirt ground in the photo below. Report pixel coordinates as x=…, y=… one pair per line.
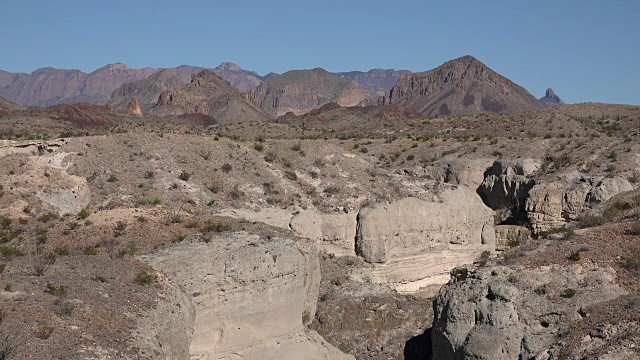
x=155, y=181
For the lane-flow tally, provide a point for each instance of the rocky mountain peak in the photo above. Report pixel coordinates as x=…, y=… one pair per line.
x=228, y=66
x=462, y=86
x=551, y=100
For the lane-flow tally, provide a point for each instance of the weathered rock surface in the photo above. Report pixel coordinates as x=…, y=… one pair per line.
x=334, y=233
x=507, y=184
x=552, y=204
x=462, y=86
x=608, y=188
x=300, y=91
x=504, y=313
x=458, y=171
x=249, y=296
x=44, y=176
x=510, y=234
x=414, y=243
x=551, y=100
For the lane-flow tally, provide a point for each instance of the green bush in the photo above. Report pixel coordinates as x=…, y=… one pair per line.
x=144, y=278
x=574, y=256
x=484, y=258
x=84, y=213
x=568, y=293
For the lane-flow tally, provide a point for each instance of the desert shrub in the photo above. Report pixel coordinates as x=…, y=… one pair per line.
x=59, y=290
x=121, y=225
x=226, y=167
x=8, y=251
x=587, y=221
x=12, y=343
x=42, y=260
x=632, y=262
x=210, y=226
x=8, y=287
x=184, y=176
x=574, y=256
x=41, y=236
x=364, y=150
x=484, y=258
x=296, y=147
x=259, y=147
x=236, y=193
x=112, y=178
x=568, y=293
x=90, y=250
x=270, y=157
x=174, y=217
x=156, y=201
x=84, y=213
x=410, y=157
x=44, y=331
x=5, y=222
x=144, y=278
x=61, y=250
x=563, y=232
x=215, y=187
x=2, y=267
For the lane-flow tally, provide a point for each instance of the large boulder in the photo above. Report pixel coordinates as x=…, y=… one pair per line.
x=413, y=243
x=608, y=188
x=251, y=297
x=503, y=313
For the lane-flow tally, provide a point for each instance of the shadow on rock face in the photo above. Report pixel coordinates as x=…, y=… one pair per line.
x=419, y=347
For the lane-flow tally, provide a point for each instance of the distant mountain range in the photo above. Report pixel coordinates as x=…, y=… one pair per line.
x=461, y=86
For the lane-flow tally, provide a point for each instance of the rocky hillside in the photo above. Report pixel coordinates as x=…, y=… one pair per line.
x=209, y=95
x=551, y=100
x=300, y=91
x=7, y=106
x=243, y=80
x=464, y=86
x=377, y=82
x=147, y=90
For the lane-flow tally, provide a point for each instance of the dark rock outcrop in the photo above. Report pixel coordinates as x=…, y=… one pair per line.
x=464, y=86
x=551, y=100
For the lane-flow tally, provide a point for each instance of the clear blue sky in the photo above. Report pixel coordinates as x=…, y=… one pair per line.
x=586, y=50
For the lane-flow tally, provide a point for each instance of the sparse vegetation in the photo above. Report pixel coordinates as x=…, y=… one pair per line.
x=144, y=278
